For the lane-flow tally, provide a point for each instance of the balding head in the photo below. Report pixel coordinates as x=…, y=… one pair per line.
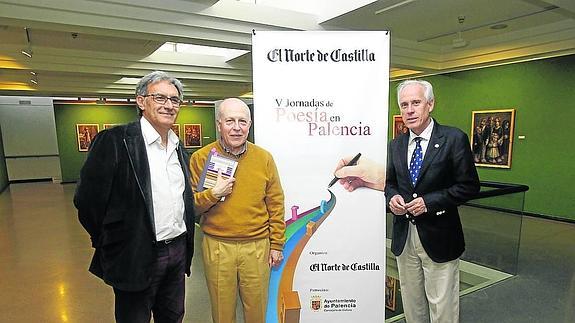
x=233, y=123
x=232, y=103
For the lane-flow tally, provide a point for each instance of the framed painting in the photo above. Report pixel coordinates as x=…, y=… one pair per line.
x=390, y=292
x=176, y=129
x=398, y=126
x=85, y=132
x=192, y=135
x=492, y=137
x=109, y=125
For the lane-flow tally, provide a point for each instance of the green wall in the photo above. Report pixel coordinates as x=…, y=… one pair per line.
x=542, y=92
x=204, y=116
x=68, y=115
x=3, y=170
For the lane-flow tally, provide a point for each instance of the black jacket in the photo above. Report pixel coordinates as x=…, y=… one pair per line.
x=114, y=202
x=447, y=179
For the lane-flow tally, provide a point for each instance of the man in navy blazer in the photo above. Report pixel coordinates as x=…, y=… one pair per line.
x=423, y=195
x=135, y=201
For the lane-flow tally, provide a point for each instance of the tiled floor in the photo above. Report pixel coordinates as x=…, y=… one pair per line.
x=543, y=289
x=44, y=255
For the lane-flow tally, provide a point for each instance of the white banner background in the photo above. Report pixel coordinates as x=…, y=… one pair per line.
x=309, y=88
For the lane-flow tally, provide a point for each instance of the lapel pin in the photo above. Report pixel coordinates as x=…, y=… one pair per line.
x=436, y=145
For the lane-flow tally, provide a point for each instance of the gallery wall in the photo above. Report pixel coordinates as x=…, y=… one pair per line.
x=68, y=115
x=541, y=92
x=543, y=96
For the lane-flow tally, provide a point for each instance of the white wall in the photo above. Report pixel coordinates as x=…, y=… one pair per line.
x=29, y=138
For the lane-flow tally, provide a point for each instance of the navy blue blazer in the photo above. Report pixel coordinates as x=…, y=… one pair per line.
x=114, y=202
x=447, y=179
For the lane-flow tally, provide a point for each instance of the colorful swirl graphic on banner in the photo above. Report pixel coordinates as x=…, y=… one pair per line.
x=284, y=304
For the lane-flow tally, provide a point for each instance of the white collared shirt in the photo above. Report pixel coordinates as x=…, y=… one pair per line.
x=425, y=137
x=167, y=182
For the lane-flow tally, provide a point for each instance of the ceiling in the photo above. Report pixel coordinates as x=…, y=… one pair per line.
x=99, y=48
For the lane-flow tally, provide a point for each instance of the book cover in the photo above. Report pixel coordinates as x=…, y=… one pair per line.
x=214, y=163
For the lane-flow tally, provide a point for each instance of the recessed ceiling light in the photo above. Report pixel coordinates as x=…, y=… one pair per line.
x=128, y=80
x=397, y=5
x=227, y=53
x=498, y=26
x=27, y=53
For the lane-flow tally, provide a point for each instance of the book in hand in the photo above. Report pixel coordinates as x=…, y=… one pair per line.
x=216, y=163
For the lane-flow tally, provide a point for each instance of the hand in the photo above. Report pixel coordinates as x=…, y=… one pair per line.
x=365, y=173
x=416, y=207
x=223, y=187
x=397, y=205
x=276, y=257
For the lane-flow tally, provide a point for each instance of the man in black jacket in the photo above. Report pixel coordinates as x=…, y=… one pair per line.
x=430, y=172
x=134, y=199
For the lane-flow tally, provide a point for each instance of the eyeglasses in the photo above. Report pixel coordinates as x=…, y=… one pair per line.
x=162, y=99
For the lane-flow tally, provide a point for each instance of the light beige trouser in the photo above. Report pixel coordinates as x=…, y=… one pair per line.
x=429, y=290
x=230, y=265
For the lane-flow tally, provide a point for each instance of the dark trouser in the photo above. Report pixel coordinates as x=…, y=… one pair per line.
x=165, y=296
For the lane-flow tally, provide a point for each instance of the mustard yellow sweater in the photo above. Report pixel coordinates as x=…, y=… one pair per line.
x=254, y=209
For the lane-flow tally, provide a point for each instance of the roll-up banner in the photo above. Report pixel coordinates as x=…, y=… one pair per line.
x=320, y=97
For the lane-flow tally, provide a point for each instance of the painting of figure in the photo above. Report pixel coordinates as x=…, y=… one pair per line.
x=192, y=135
x=85, y=133
x=399, y=127
x=492, y=137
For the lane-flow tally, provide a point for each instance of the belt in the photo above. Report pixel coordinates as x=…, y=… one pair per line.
x=170, y=240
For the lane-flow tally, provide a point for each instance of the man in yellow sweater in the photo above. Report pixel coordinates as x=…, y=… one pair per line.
x=244, y=232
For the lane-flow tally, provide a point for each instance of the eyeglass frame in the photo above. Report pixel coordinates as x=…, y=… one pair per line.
x=164, y=99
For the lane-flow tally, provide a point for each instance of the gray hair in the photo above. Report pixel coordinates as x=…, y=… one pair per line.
x=427, y=89
x=154, y=77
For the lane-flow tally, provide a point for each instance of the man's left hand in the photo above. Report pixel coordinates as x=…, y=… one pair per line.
x=416, y=207
x=276, y=258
